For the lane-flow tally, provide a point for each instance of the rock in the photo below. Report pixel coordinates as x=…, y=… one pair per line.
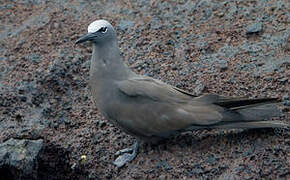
x=19, y=158
x=254, y=28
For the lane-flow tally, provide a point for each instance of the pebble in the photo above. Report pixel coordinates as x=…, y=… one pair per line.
x=254, y=28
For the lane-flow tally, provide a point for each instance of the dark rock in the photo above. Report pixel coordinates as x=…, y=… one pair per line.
x=254, y=28
x=19, y=158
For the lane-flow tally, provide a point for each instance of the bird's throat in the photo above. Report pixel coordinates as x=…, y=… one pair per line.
x=107, y=62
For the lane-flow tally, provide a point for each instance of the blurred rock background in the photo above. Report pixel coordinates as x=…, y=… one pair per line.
x=48, y=121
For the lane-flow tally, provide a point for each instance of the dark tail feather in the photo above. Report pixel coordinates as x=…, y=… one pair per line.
x=245, y=113
x=259, y=112
x=239, y=103
x=253, y=125
x=252, y=116
x=251, y=109
x=244, y=125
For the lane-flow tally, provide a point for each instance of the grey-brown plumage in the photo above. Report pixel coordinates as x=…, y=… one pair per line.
x=150, y=109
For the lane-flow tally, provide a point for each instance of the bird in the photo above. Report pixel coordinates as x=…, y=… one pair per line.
x=151, y=110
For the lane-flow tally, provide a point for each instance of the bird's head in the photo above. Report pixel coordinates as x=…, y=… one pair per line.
x=99, y=31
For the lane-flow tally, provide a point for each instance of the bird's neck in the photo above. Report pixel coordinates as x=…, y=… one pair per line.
x=107, y=62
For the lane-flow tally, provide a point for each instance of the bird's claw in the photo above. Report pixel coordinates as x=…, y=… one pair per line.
x=122, y=151
x=122, y=159
x=125, y=156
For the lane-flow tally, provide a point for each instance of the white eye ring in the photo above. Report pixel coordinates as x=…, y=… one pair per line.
x=103, y=30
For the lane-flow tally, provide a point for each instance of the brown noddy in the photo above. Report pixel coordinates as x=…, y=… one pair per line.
x=152, y=110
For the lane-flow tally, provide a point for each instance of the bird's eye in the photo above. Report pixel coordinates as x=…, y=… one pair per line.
x=103, y=29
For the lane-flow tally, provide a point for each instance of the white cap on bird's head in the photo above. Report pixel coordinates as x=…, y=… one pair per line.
x=99, y=31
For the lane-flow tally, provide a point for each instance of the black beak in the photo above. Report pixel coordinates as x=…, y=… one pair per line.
x=85, y=38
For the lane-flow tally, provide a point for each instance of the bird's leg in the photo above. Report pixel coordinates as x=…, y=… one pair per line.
x=125, y=155
x=122, y=151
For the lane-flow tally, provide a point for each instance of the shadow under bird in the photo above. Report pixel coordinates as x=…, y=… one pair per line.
x=152, y=110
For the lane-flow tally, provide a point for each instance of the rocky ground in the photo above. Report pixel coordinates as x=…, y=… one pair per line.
x=50, y=129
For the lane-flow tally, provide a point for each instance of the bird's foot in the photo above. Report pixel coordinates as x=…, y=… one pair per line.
x=125, y=155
